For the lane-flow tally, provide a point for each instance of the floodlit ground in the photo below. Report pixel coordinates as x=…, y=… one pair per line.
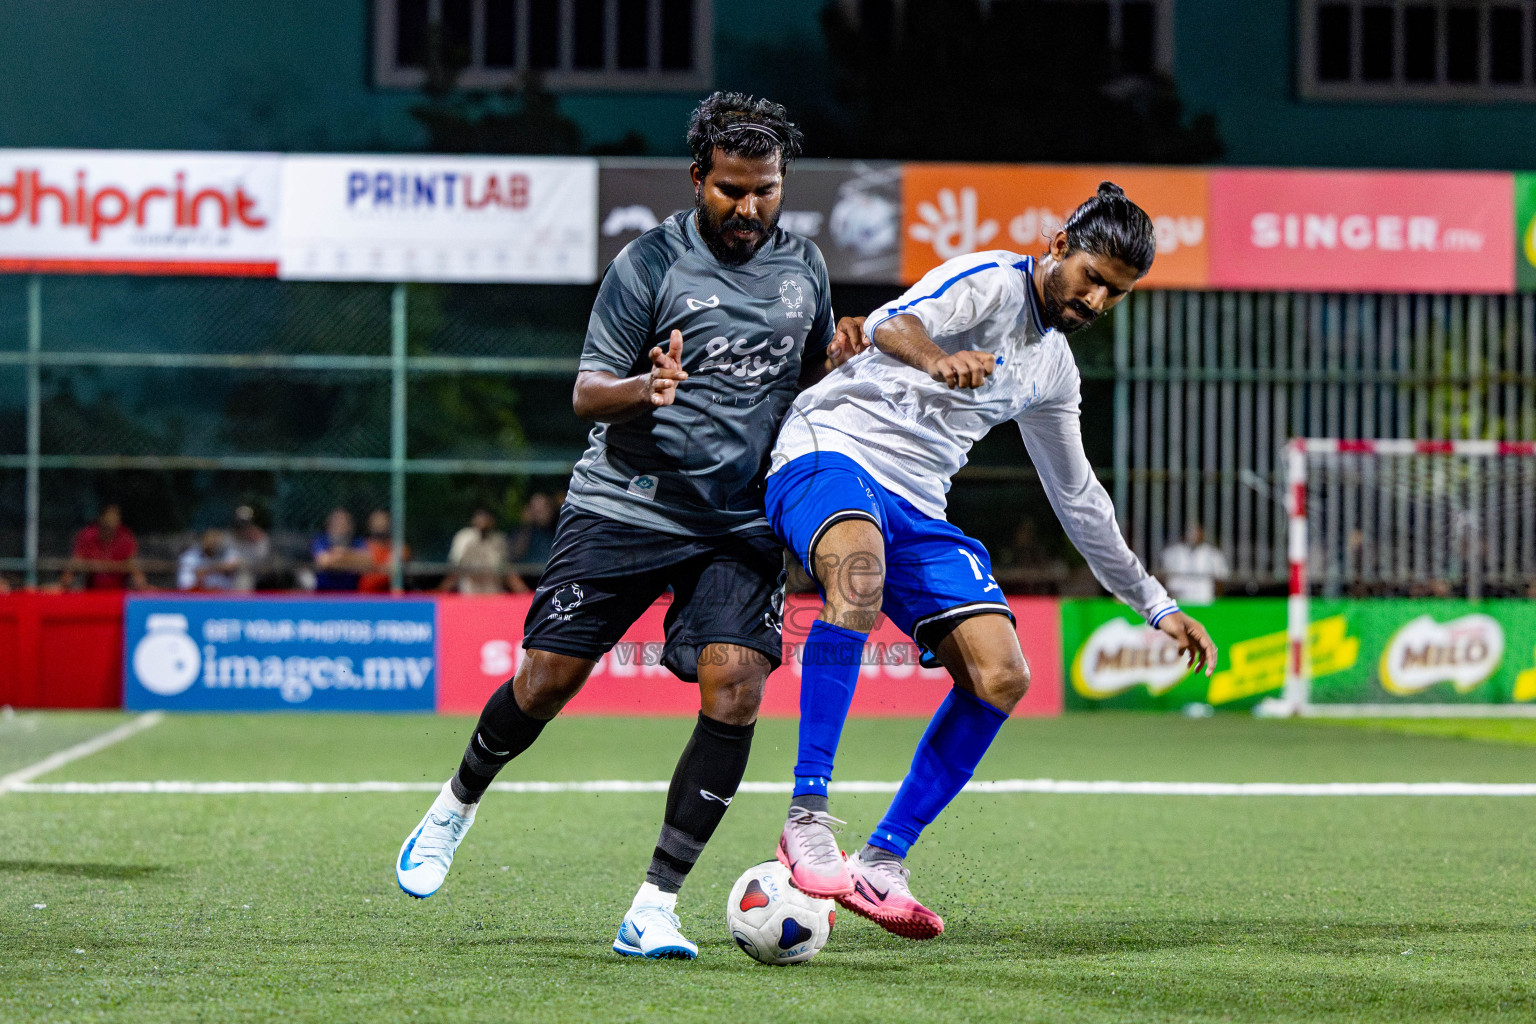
x=260, y=906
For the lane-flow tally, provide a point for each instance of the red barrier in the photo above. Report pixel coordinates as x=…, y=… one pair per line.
x=479, y=645
x=61, y=650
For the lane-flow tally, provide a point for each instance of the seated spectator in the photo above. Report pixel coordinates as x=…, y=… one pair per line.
x=107, y=553
x=535, y=535
x=252, y=547
x=1195, y=571
x=340, y=557
x=210, y=564
x=479, y=555
x=381, y=553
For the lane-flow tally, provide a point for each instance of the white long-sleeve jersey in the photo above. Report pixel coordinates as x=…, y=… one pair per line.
x=913, y=433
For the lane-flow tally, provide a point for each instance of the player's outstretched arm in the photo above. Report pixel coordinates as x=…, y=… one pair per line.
x=848, y=340
x=904, y=337
x=608, y=398
x=1194, y=642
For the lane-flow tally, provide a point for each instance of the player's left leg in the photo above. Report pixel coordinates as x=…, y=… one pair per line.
x=982, y=655
x=724, y=632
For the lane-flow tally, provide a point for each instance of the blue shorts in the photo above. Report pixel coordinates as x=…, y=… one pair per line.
x=935, y=576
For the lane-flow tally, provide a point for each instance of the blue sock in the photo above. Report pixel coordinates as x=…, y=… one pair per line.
x=829, y=673
x=947, y=755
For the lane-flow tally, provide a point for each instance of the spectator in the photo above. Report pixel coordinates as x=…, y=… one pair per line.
x=210, y=564
x=340, y=557
x=381, y=553
x=1195, y=571
x=252, y=549
x=536, y=533
x=107, y=553
x=479, y=555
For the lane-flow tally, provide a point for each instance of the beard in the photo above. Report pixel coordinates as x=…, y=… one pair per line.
x=728, y=250
x=1057, y=303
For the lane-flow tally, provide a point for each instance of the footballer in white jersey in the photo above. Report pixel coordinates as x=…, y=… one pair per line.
x=857, y=490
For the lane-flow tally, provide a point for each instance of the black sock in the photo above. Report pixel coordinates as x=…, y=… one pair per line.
x=703, y=785
x=504, y=731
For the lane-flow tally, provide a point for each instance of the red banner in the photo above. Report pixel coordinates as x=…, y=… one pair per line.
x=1392, y=231
x=480, y=645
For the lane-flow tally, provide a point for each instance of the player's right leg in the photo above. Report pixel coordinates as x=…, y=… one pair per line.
x=544, y=683
x=596, y=584
x=828, y=509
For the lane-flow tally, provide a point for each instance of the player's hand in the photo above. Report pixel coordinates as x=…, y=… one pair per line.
x=1194, y=642
x=848, y=340
x=666, y=371
x=968, y=369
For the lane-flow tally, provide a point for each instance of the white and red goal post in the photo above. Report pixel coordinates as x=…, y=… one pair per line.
x=1440, y=501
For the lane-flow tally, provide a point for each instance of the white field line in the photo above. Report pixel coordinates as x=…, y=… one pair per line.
x=18, y=780
x=1047, y=786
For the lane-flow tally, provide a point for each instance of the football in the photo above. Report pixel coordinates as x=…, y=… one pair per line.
x=773, y=922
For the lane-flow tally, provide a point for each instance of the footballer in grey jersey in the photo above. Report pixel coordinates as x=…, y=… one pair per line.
x=704, y=330
x=696, y=467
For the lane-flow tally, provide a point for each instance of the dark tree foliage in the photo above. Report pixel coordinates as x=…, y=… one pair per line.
x=509, y=120
x=1021, y=81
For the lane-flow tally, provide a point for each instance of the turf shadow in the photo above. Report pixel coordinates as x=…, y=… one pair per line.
x=115, y=872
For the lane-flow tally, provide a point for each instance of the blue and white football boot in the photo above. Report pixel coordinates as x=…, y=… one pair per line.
x=427, y=852
x=650, y=929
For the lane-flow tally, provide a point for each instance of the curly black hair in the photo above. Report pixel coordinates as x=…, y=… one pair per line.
x=744, y=125
x=1111, y=225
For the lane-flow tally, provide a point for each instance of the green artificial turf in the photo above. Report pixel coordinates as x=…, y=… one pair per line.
x=1059, y=908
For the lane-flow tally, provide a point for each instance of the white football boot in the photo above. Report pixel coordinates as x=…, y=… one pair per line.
x=650, y=928
x=427, y=853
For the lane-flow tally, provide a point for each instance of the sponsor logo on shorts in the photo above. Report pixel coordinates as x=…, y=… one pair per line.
x=566, y=600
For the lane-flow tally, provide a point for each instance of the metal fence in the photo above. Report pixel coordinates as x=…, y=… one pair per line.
x=197, y=394
x=1210, y=385
x=202, y=392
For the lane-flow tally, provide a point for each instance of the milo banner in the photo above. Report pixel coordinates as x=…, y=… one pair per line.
x=1525, y=232
x=1361, y=652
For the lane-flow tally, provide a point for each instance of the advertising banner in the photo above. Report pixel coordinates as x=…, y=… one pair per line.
x=852, y=211
x=952, y=209
x=429, y=218
x=216, y=654
x=482, y=646
x=1433, y=652
x=1525, y=232
x=1390, y=231
x=115, y=212
x=1115, y=660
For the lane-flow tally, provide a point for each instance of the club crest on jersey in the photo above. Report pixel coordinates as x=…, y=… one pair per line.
x=792, y=296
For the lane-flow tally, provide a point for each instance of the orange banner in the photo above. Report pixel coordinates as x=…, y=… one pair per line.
x=952, y=209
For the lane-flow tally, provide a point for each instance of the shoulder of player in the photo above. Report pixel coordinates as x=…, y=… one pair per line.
x=648, y=258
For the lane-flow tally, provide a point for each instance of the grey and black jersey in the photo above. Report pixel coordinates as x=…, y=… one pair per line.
x=696, y=467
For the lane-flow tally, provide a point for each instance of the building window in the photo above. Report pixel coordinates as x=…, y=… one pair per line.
x=1417, y=50
x=571, y=44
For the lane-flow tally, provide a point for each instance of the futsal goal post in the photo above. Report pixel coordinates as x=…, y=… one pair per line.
x=1437, y=521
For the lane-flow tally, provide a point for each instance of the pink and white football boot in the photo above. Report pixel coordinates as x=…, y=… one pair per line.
x=880, y=893
x=808, y=847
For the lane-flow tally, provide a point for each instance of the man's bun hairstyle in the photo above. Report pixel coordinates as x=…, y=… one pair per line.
x=734, y=122
x=1112, y=226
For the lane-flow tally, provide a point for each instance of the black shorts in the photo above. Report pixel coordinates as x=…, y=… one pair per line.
x=603, y=574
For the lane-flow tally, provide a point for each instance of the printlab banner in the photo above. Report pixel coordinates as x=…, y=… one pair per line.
x=852, y=211
x=113, y=212
x=1390, y=231
x=482, y=647
x=421, y=218
x=952, y=209
x=213, y=654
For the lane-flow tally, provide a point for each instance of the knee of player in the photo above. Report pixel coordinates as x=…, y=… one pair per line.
x=1008, y=684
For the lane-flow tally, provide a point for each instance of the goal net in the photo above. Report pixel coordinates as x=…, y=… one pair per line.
x=1417, y=560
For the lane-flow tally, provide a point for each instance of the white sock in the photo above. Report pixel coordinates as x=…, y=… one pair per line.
x=453, y=803
x=650, y=896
